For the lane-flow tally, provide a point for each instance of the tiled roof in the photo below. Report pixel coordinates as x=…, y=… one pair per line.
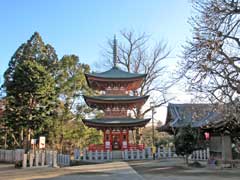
x=195, y=115
x=116, y=73
x=116, y=122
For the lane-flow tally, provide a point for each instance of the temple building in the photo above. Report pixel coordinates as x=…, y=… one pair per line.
x=207, y=117
x=116, y=87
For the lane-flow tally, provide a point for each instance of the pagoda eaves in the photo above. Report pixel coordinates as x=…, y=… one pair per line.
x=116, y=123
x=113, y=78
x=102, y=102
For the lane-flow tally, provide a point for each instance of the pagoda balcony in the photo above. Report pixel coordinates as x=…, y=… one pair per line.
x=117, y=92
x=115, y=113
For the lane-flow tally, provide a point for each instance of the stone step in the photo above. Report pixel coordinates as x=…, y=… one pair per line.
x=116, y=154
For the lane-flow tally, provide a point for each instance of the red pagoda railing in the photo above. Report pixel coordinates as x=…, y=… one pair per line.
x=136, y=146
x=96, y=147
x=100, y=147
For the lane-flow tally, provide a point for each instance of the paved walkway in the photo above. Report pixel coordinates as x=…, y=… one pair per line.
x=107, y=171
x=132, y=170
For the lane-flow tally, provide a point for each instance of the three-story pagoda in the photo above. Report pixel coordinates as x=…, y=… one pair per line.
x=116, y=86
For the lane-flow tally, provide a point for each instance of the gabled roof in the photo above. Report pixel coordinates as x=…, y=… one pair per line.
x=195, y=115
x=116, y=122
x=116, y=73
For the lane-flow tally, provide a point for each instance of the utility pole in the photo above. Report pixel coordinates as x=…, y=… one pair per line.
x=153, y=133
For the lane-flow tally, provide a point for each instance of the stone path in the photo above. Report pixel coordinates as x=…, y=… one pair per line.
x=108, y=171
x=132, y=170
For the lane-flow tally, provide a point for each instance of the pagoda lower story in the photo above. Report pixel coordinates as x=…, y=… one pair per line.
x=116, y=132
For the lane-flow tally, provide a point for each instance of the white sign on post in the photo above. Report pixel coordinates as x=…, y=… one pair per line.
x=42, y=141
x=33, y=141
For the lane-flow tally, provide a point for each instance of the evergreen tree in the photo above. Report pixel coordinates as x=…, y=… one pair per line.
x=30, y=89
x=69, y=130
x=187, y=140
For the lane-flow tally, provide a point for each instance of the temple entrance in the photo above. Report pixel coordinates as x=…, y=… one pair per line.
x=116, y=144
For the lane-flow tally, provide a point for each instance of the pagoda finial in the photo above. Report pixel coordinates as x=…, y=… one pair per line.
x=115, y=51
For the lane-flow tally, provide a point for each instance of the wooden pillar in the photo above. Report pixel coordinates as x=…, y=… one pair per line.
x=104, y=138
x=127, y=138
x=121, y=138
x=110, y=139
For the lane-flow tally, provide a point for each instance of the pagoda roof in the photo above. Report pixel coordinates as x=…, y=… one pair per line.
x=115, y=122
x=116, y=99
x=116, y=73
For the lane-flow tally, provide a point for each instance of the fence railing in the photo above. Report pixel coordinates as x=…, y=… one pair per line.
x=92, y=155
x=10, y=156
x=53, y=159
x=34, y=158
x=200, y=155
x=136, y=154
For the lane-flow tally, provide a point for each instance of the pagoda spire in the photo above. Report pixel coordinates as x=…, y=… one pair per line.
x=114, y=51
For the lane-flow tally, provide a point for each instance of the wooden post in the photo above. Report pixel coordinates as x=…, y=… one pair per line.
x=127, y=138
x=204, y=154
x=149, y=153
x=208, y=153
x=24, y=165
x=121, y=138
x=31, y=156
x=138, y=155
x=42, y=158
x=111, y=139
x=200, y=154
x=108, y=155
x=54, y=158
x=169, y=152
x=132, y=157
x=96, y=155
x=36, y=158
x=90, y=155
x=164, y=152
x=197, y=156
x=84, y=154
x=158, y=153
x=143, y=154
x=104, y=139
x=102, y=155
x=76, y=154
x=126, y=154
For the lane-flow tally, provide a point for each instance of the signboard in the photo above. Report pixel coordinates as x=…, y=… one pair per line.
x=42, y=141
x=107, y=144
x=124, y=144
x=33, y=141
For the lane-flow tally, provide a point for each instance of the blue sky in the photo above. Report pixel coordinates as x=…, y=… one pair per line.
x=82, y=27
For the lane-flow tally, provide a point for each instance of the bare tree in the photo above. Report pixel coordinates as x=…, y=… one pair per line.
x=211, y=60
x=136, y=56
